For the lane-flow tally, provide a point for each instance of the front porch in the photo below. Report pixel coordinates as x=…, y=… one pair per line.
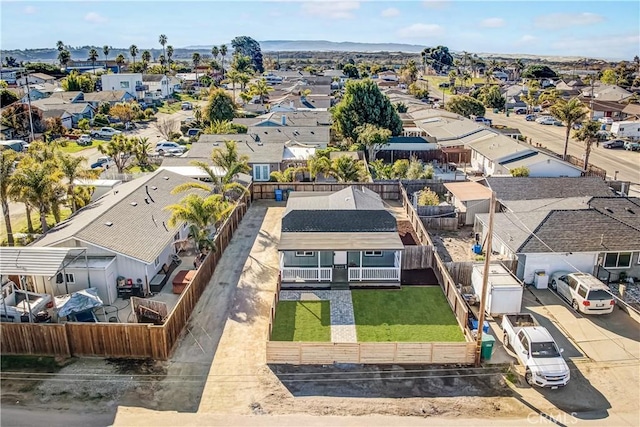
x=352, y=267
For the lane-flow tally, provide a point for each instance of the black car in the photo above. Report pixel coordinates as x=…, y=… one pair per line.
x=614, y=143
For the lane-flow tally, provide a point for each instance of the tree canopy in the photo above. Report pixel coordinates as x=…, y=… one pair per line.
x=363, y=103
x=465, y=106
x=220, y=106
x=437, y=58
x=247, y=46
x=538, y=72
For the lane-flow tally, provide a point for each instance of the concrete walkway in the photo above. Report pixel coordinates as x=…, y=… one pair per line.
x=343, y=322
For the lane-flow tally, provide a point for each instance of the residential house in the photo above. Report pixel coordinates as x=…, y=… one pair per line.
x=86, y=65
x=631, y=112
x=451, y=130
x=129, y=82
x=35, y=79
x=406, y=147
x=337, y=238
x=11, y=74
x=111, y=97
x=499, y=155
x=388, y=75
x=469, y=199
x=126, y=233
x=601, y=109
x=6, y=132
x=290, y=103
x=562, y=238
x=159, y=85
x=68, y=106
x=38, y=91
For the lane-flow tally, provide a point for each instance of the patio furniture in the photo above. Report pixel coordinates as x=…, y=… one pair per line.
x=157, y=283
x=182, y=279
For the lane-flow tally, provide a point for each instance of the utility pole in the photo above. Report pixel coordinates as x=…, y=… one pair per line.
x=29, y=104
x=485, y=278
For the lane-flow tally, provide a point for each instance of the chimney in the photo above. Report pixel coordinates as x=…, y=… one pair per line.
x=284, y=120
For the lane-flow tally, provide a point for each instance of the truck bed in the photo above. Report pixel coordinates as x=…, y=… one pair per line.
x=521, y=320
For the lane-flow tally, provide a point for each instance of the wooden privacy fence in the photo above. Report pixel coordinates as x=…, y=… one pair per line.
x=121, y=340
x=450, y=224
x=317, y=353
x=417, y=257
x=266, y=190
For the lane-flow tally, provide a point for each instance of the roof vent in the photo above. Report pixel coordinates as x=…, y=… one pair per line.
x=608, y=209
x=146, y=200
x=108, y=223
x=166, y=178
x=154, y=188
x=134, y=203
x=629, y=210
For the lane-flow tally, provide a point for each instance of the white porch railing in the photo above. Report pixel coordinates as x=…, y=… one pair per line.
x=313, y=274
x=358, y=274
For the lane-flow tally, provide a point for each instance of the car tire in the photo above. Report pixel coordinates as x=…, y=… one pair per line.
x=554, y=285
x=575, y=305
x=528, y=377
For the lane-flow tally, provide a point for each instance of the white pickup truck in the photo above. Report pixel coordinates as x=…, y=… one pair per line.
x=105, y=133
x=537, y=351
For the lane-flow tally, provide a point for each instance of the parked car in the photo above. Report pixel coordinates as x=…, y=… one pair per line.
x=84, y=140
x=605, y=120
x=444, y=85
x=603, y=135
x=545, y=120
x=584, y=292
x=614, y=143
x=558, y=123
x=632, y=146
x=186, y=106
x=536, y=350
x=17, y=145
x=103, y=162
x=193, y=132
x=520, y=110
x=530, y=117
x=105, y=133
x=169, y=148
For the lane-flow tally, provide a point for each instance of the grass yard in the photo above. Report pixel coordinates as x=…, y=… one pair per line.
x=73, y=147
x=177, y=104
x=302, y=321
x=411, y=314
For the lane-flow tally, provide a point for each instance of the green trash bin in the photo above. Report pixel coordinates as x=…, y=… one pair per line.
x=487, y=346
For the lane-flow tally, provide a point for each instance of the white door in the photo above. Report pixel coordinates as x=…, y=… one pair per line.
x=261, y=173
x=340, y=258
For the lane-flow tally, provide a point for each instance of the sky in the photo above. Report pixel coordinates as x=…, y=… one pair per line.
x=598, y=29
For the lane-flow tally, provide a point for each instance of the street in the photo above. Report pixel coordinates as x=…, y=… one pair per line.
x=626, y=163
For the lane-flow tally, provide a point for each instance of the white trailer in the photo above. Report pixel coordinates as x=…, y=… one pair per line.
x=504, y=291
x=626, y=129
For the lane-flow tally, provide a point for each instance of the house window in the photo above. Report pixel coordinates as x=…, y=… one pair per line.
x=156, y=262
x=617, y=260
x=67, y=277
x=304, y=253
x=372, y=253
x=124, y=85
x=261, y=173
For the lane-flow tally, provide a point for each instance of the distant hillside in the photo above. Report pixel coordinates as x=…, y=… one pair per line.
x=327, y=46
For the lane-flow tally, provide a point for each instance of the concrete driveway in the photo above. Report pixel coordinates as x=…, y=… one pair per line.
x=612, y=337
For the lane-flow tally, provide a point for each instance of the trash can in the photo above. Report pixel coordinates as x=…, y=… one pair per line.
x=487, y=346
x=477, y=249
x=278, y=195
x=485, y=326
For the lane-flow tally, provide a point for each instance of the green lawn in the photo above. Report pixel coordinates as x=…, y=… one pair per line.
x=73, y=147
x=412, y=314
x=302, y=321
x=176, y=105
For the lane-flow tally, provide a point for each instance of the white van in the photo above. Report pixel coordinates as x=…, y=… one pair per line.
x=585, y=292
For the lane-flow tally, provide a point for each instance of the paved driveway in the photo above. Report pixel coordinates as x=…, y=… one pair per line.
x=604, y=338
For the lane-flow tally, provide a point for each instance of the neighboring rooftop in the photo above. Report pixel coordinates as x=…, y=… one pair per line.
x=466, y=191
x=521, y=188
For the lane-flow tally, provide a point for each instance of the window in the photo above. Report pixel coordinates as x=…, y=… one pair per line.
x=68, y=278
x=582, y=291
x=304, y=253
x=372, y=253
x=525, y=342
x=261, y=172
x=156, y=262
x=124, y=85
x=573, y=283
x=617, y=260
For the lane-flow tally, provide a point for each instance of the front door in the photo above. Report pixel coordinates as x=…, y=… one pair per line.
x=340, y=258
x=261, y=173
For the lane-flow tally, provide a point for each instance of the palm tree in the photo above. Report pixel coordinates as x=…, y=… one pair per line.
x=93, y=56
x=7, y=160
x=64, y=57
x=133, y=51
x=569, y=113
x=200, y=213
x=105, y=50
x=518, y=66
x=465, y=78
x=141, y=151
x=71, y=167
x=38, y=183
x=195, y=59
x=163, y=41
x=60, y=46
x=120, y=60
x=347, y=169
x=223, y=54
x=234, y=77
x=260, y=88
x=163, y=61
x=452, y=78
x=588, y=134
x=489, y=75
x=146, y=58
x=215, y=52
x=169, y=56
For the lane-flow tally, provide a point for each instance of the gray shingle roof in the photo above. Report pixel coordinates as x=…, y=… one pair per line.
x=349, y=210
x=625, y=210
x=267, y=152
x=152, y=77
x=520, y=188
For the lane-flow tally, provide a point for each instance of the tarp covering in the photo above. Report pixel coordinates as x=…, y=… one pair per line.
x=77, y=302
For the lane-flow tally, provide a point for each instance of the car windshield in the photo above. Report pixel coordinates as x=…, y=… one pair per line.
x=599, y=294
x=544, y=349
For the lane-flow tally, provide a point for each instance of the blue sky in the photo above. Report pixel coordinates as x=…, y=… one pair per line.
x=602, y=29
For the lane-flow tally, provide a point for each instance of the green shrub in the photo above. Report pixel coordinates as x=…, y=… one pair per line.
x=84, y=124
x=148, y=113
x=100, y=120
x=174, y=136
x=428, y=198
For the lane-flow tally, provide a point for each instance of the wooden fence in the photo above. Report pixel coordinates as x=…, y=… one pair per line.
x=417, y=257
x=316, y=353
x=121, y=340
x=266, y=190
x=449, y=224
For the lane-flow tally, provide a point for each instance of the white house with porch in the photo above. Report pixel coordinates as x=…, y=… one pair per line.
x=333, y=239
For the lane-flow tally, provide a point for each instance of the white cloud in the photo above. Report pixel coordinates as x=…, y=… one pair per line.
x=554, y=21
x=527, y=38
x=30, y=10
x=420, y=30
x=436, y=4
x=390, y=12
x=492, y=23
x=605, y=46
x=95, y=18
x=333, y=10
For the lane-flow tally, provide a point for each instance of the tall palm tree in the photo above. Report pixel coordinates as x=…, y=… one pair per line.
x=200, y=213
x=163, y=41
x=223, y=54
x=587, y=134
x=38, y=181
x=105, y=50
x=569, y=113
x=71, y=167
x=163, y=61
x=215, y=51
x=146, y=58
x=60, y=46
x=169, y=56
x=452, y=78
x=93, y=57
x=64, y=57
x=7, y=159
x=518, y=66
x=234, y=77
x=488, y=75
x=195, y=59
x=133, y=51
x=260, y=88
x=120, y=60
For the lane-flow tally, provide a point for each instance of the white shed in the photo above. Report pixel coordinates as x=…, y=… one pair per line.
x=504, y=290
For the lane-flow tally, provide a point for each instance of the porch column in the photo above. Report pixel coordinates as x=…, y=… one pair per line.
x=319, y=275
x=360, y=267
x=399, y=263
